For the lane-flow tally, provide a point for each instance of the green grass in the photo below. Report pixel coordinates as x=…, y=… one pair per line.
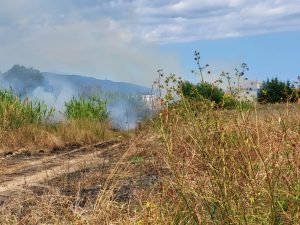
x=27, y=123
x=137, y=159
x=90, y=108
x=15, y=112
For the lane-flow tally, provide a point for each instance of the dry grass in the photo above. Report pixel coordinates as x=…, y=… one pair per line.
x=212, y=167
x=106, y=193
x=232, y=167
x=34, y=137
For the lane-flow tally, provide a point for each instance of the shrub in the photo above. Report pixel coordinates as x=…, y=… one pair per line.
x=86, y=108
x=15, y=112
x=202, y=91
x=210, y=92
x=189, y=90
x=275, y=91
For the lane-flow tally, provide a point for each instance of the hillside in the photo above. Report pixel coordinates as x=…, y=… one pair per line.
x=86, y=83
x=24, y=81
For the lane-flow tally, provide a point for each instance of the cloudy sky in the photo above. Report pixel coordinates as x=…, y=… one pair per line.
x=128, y=40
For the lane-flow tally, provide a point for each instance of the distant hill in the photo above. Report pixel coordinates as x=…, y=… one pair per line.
x=24, y=81
x=87, y=84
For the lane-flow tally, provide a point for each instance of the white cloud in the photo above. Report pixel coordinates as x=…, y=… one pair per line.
x=164, y=21
x=118, y=38
x=79, y=42
x=198, y=20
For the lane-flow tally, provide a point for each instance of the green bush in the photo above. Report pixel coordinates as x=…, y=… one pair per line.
x=276, y=91
x=205, y=92
x=210, y=92
x=15, y=112
x=86, y=108
x=202, y=90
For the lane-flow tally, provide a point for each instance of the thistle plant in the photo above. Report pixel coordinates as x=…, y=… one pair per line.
x=200, y=69
x=234, y=85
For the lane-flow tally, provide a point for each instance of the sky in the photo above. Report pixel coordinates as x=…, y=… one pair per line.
x=129, y=40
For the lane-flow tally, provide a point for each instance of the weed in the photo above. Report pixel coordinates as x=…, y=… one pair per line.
x=137, y=159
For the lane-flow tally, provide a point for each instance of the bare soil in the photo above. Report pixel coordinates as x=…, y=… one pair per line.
x=77, y=171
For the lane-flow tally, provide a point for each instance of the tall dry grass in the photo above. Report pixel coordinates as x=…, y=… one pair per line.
x=230, y=167
x=36, y=137
x=214, y=167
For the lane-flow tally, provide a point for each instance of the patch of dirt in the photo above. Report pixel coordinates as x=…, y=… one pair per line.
x=79, y=172
x=25, y=170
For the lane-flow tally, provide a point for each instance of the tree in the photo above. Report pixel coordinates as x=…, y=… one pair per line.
x=23, y=80
x=276, y=91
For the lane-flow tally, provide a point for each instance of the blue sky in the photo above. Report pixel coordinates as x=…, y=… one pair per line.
x=128, y=40
x=268, y=55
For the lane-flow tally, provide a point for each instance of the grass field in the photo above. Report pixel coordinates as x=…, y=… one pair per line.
x=186, y=166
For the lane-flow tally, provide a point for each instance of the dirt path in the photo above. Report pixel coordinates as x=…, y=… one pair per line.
x=23, y=172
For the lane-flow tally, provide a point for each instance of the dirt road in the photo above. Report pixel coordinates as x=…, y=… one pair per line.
x=22, y=171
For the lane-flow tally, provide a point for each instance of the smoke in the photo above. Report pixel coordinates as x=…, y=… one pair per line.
x=64, y=37
x=122, y=116
x=54, y=101
x=125, y=110
x=128, y=110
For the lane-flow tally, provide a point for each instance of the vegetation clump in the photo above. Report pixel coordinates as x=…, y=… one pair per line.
x=232, y=96
x=276, y=91
x=91, y=108
x=23, y=80
x=202, y=91
x=226, y=167
x=15, y=112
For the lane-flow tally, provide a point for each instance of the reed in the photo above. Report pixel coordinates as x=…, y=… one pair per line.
x=15, y=112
